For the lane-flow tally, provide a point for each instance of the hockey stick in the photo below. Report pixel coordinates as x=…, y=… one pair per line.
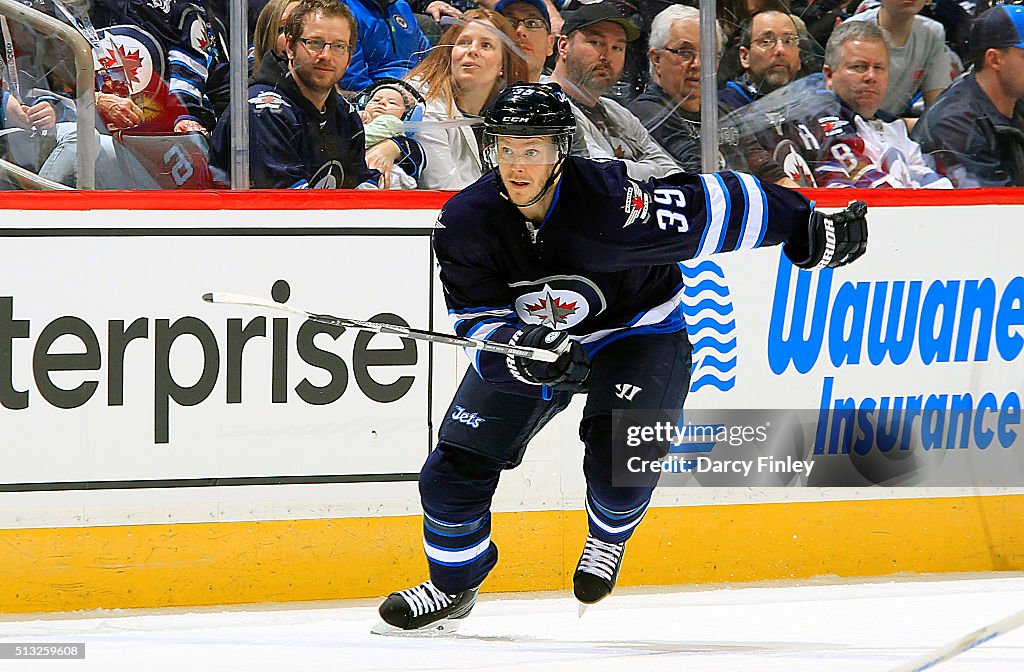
x=380, y=328
x=976, y=638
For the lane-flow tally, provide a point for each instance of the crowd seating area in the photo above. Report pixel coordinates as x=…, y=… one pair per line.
x=389, y=94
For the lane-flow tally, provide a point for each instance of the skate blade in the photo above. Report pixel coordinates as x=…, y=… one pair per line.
x=442, y=628
x=584, y=606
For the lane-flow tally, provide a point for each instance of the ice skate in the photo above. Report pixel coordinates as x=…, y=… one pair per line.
x=424, y=610
x=596, y=571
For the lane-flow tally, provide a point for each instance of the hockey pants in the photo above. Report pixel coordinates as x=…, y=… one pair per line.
x=486, y=432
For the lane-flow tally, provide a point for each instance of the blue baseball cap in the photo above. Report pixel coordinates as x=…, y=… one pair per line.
x=998, y=28
x=538, y=4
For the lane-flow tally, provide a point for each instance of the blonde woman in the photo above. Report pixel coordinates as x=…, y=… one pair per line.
x=460, y=77
x=268, y=36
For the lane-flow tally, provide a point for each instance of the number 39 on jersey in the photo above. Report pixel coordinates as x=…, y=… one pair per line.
x=671, y=216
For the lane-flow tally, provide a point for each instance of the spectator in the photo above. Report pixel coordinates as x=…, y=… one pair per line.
x=36, y=113
x=769, y=53
x=390, y=42
x=846, y=139
x=140, y=45
x=40, y=116
x=459, y=79
x=670, y=108
x=385, y=107
x=532, y=24
x=268, y=37
x=302, y=134
x=975, y=130
x=218, y=48
x=918, y=59
x=591, y=54
x=182, y=29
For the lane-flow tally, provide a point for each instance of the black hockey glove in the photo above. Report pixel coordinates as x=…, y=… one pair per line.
x=565, y=373
x=832, y=240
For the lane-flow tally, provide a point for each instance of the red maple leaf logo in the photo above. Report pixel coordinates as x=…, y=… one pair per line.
x=552, y=310
x=637, y=202
x=132, y=62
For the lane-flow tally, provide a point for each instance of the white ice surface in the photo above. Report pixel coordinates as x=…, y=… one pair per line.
x=841, y=627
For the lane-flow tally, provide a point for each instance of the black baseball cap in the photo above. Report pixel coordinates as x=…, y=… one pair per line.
x=596, y=12
x=998, y=28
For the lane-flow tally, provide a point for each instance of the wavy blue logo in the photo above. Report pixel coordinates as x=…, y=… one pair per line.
x=707, y=309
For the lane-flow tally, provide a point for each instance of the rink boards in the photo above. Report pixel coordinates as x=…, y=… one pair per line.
x=158, y=450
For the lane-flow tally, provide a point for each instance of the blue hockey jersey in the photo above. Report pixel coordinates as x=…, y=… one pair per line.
x=171, y=35
x=602, y=265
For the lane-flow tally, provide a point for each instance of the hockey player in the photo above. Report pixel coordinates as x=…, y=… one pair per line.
x=571, y=255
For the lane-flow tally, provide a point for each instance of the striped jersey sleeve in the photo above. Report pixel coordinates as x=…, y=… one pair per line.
x=689, y=216
x=188, y=63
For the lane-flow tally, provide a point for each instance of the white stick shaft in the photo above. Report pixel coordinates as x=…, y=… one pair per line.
x=381, y=328
x=976, y=638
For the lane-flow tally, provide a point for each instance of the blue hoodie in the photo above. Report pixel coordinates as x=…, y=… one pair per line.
x=390, y=42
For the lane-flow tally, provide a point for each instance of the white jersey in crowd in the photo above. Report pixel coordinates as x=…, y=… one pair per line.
x=889, y=149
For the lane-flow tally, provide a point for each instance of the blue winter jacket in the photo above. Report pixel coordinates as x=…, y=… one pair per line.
x=390, y=42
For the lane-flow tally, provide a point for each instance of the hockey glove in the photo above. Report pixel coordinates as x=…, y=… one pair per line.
x=565, y=373
x=832, y=240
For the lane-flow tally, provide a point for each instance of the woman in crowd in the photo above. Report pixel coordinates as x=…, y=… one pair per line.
x=459, y=79
x=268, y=37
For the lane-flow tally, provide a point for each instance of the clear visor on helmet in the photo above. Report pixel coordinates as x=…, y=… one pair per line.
x=503, y=150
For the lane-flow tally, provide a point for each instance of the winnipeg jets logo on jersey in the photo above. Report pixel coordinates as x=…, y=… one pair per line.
x=832, y=125
x=331, y=175
x=637, y=203
x=558, y=301
x=199, y=35
x=135, y=50
x=775, y=120
x=553, y=310
x=268, y=100
x=788, y=156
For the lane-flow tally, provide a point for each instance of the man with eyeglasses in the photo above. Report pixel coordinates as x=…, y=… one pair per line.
x=769, y=54
x=841, y=134
x=670, y=108
x=302, y=134
x=591, y=55
x=533, y=31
